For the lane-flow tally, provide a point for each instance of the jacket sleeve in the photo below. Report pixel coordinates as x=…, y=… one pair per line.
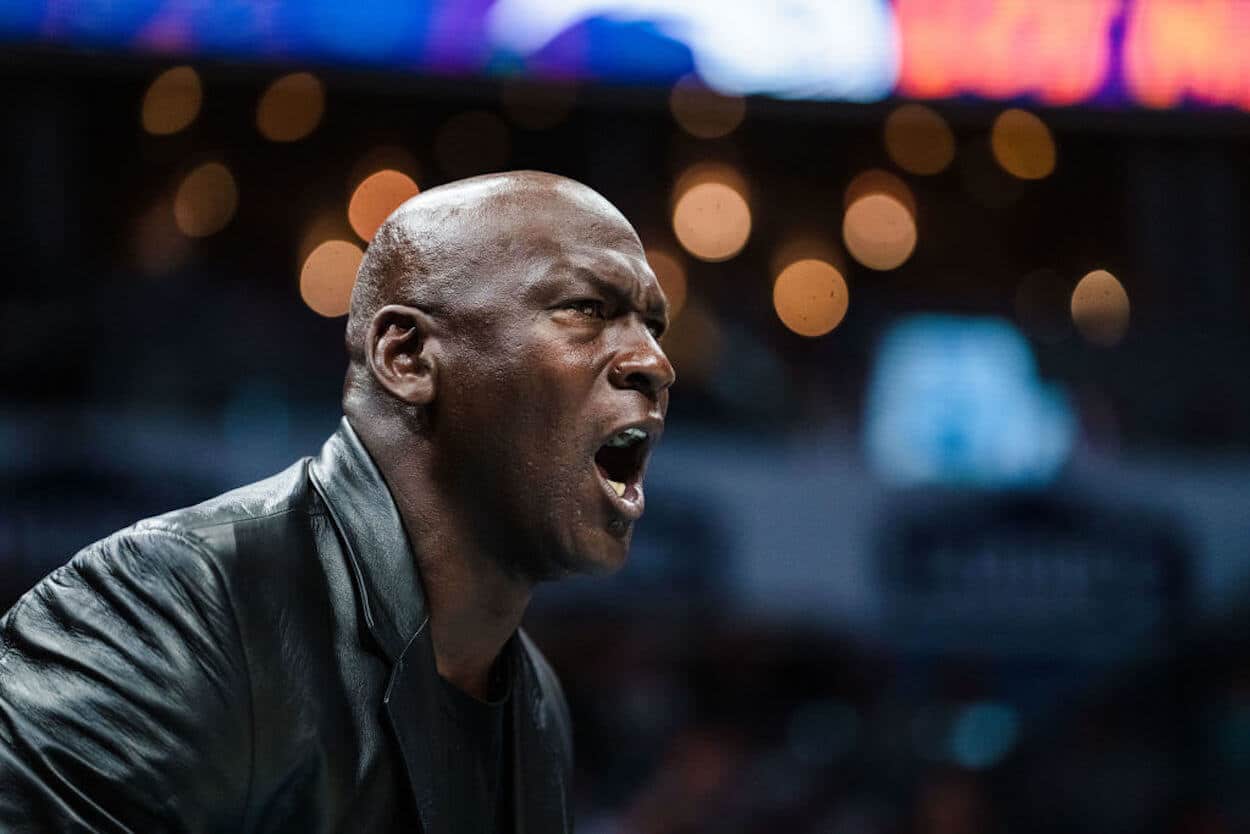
x=125, y=704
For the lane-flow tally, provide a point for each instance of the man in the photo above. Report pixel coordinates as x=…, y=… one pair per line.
x=337, y=648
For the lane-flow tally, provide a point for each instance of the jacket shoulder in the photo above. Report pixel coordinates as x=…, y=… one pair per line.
x=286, y=492
x=125, y=661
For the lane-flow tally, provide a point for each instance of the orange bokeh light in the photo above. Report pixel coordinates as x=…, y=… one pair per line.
x=1022, y=145
x=291, y=107
x=1100, y=308
x=712, y=221
x=879, y=231
x=206, y=200
x=328, y=275
x=919, y=140
x=810, y=297
x=172, y=101
x=375, y=198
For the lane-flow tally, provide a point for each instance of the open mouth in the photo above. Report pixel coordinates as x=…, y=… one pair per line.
x=620, y=462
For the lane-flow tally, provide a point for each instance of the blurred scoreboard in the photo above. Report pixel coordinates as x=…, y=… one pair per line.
x=1105, y=53
x=1039, y=574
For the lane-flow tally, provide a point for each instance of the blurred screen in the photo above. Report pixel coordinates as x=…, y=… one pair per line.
x=1109, y=53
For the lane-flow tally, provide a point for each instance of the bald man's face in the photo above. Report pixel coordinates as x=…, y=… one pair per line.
x=552, y=391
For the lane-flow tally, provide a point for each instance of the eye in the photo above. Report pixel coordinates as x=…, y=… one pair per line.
x=656, y=327
x=588, y=307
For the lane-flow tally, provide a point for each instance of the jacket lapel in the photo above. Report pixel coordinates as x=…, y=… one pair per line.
x=410, y=709
x=540, y=778
x=392, y=605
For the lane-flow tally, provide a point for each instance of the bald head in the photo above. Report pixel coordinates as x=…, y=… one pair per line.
x=502, y=329
x=439, y=248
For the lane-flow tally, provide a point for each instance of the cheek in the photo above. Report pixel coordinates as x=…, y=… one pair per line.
x=522, y=405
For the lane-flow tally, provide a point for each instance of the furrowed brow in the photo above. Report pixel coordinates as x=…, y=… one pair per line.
x=653, y=305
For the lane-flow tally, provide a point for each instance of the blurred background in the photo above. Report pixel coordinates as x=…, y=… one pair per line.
x=950, y=530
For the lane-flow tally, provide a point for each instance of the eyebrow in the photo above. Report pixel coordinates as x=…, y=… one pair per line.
x=607, y=286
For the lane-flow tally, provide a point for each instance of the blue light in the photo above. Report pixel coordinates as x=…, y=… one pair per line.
x=958, y=401
x=982, y=734
x=384, y=31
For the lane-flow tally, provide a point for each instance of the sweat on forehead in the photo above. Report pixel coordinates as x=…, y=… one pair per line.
x=430, y=241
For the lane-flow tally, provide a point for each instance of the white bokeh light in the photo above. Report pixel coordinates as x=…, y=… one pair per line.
x=804, y=49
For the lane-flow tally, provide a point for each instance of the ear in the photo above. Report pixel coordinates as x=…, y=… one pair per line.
x=401, y=351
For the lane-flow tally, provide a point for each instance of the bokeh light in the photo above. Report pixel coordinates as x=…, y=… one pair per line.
x=375, y=198
x=810, y=297
x=327, y=277
x=671, y=274
x=1100, y=308
x=877, y=181
x=703, y=112
x=879, y=231
x=291, y=107
x=172, y=101
x=982, y=734
x=1022, y=145
x=536, y=107
x=206, y=200
x=471, y=143
x=712, y=221
x=919, y=140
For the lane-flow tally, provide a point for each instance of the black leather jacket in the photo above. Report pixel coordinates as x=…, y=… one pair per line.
x=258, y=663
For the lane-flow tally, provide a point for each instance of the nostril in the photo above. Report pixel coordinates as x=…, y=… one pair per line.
x=640, y=382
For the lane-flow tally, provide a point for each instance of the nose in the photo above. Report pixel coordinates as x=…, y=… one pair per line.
x=643, y=366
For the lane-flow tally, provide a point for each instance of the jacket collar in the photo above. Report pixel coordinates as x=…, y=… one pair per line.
x=377, y=546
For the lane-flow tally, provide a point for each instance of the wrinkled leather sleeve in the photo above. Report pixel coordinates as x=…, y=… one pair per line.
x=124, y=694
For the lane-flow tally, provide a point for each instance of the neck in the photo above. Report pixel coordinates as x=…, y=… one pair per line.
x=475, y=606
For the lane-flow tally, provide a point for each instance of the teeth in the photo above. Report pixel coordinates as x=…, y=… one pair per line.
x=627, y=437
x=617, y=487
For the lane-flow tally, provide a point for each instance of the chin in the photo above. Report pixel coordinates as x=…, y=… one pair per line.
x=597, y=553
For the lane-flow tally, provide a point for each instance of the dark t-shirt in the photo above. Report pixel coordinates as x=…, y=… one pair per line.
x=477, y=755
